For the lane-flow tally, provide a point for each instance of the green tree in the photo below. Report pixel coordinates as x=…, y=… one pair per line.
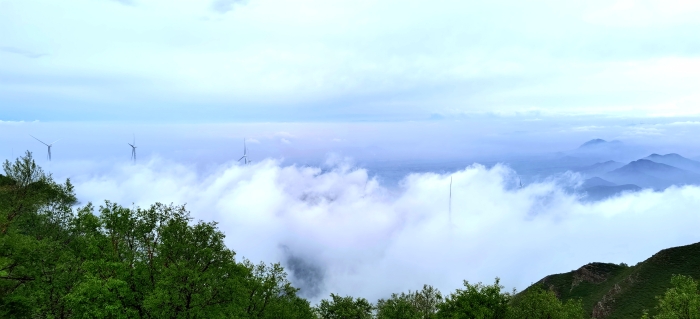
x=271, y=295
x=427, y=301
x=59, y=262
x=476, y=302
x=399, y=306
x=422, y=304
x=35, y=268
x=344, y=308
x=681, y=301
x=541, y=304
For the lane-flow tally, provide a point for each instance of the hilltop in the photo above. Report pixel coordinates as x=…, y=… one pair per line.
x=619, y=291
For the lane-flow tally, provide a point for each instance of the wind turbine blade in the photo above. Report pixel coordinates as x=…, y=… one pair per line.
x=38, y=140
x=241, y=158
x=55, y=141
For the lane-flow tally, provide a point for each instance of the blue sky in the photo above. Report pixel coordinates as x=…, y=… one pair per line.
x=330, y=61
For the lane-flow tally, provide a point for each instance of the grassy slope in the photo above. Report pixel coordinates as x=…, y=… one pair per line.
x=614, y=291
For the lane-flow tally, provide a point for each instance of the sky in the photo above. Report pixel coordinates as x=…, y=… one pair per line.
x=320, y=61
x=356, y=115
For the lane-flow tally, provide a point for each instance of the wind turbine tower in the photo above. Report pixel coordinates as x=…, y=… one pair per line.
x=47, y=145
x=450, y=211
x=133, y=149
x=245, y=154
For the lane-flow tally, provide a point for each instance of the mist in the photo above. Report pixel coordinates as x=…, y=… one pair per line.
x=363, y=209
x=336, y=229
x=487, y=138
x=339, y=230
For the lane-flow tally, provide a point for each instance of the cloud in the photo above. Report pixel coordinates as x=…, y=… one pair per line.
x=223, y=6
x=22, y=52
x=15, y=122
x=315, y=60
x=645, y=131
x=125, y=2
x=284, y=134
x=339, y=230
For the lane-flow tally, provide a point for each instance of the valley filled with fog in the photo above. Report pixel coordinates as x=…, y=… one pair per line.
x=338, y=223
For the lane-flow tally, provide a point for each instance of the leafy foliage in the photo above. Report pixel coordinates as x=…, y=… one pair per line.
x=419, y=304
x=539, y=303
x=681, y=301
x=476, y=302
x=344, y=308
x=122, y=263
x=619, y=291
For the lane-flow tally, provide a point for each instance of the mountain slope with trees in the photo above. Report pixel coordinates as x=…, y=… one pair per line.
x=620, y=291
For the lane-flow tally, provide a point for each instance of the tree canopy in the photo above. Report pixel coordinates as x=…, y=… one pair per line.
x=115, y=262
x=681, y=301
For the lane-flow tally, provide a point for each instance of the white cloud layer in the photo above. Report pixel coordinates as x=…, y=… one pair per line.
x=363, y=239
x=317, y=60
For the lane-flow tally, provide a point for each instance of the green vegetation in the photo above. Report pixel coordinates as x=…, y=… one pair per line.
x=421, y=304
x=540, y=303
x=476, y=301
x=344, y=308
x=58, y=260
x=123, y=263
x=681, y=301
x=621, y=291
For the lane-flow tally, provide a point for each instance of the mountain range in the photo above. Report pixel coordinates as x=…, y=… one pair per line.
x=610, y=178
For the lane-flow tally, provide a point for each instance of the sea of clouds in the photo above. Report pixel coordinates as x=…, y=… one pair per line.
x=338, y=229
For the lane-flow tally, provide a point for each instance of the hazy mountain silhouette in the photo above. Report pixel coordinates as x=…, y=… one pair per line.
x=598, y=150
x=596, y=193
x=676, y=160
x=650, y=174
x=600, y=168
x=596, y=181
x=596, y=188
x=596, y=143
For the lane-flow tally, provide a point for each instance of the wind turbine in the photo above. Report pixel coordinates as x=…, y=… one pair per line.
x=133, y=149
x=450, y=211
x=245, y=154
x=47, y=145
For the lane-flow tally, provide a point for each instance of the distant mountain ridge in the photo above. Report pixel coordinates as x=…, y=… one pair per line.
x=600, y=168
x=599, y=142
x=610, y=168
x=596, y=181
x=600, y=150
x=650, y=174
x=676, y=160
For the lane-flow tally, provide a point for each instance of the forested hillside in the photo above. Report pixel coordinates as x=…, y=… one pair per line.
x=621, y=291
